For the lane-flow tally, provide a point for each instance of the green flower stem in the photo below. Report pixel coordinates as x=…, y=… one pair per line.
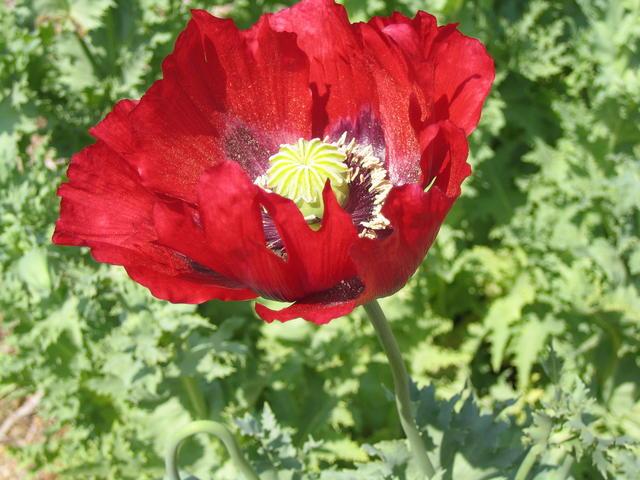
x=212, y=428
x=196, y=399
x=401, y=385
x=528, y=463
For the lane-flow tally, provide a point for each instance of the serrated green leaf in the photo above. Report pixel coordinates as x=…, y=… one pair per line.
x=504, y=312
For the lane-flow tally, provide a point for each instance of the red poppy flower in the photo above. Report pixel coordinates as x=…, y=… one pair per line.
x=307, y=160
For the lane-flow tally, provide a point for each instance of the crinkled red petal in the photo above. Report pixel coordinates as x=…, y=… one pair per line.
x=226, y=94
x=318, y=313
x=401, y=104
x=232, y=222
x=464, y=73
x=357, y=70
x=444, y=157
x=339, y=71
x=115, y=129
x=322, y=256
x=231, y=213
x=179, y=228
x=384, y=265
x=105, y=207
x=187, y=288
x=454, y=71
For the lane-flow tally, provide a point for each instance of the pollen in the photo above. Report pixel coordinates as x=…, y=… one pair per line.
x=369, y=186
x=300, y=172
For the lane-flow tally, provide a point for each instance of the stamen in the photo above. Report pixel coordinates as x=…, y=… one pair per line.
x=366, y=173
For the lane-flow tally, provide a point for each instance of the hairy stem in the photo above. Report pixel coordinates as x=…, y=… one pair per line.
x=401, y=385
x=212, y=428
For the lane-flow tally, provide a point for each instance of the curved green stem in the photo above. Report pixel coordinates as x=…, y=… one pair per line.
x=212, y=428
x=528, y=463
x=401, y=385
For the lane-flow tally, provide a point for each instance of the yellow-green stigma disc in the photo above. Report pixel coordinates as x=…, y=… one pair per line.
x=300, y=171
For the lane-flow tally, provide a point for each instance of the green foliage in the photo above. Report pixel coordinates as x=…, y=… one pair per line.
x=568, y=428
x=543, y=246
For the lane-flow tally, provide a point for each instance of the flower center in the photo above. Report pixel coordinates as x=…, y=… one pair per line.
x=358, y=178
x=300, y=172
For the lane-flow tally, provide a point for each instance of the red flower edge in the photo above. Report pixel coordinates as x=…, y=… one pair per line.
x=169, y=189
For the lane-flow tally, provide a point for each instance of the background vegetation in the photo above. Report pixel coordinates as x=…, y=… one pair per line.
x=521, y=329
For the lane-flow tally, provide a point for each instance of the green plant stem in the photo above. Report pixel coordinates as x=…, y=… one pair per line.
x=566, y=467
x=528, y=463
x=401, y=385
x=195, y=396
x=212, y=428
x=77, y=31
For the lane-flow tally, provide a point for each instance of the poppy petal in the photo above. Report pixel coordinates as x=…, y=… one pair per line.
x=444, y=157
x=226, y=94
x=401, y=104
x=105, y=207
x=184, y=288
x=454, y=71
x=338, y=72
x=232, y=221
x=321, y=257
x=115, y=130
x=313, y=261
x=318, y=313
x=464, y=73
x=384, y=265
x=356, y=70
